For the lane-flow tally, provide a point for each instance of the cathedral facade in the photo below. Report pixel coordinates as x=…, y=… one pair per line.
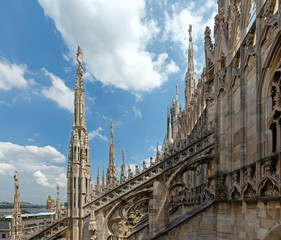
x=218, y=175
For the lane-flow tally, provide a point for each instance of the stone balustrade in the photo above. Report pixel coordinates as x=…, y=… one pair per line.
x=51, y=231
x=171, y=160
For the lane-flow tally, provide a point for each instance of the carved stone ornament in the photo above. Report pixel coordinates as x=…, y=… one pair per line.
x=250, y=192
x=177, y=196
x=92, y=224
x=222, y=193
x=268, y=188
x=136, y=212
x=235, y=193
x=209, y=193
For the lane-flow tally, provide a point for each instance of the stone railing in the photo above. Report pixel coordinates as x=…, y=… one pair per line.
x=171, y=160
x=51, y=231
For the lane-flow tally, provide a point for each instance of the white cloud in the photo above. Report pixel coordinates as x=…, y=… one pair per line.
x=6, y=169
x=59, y=92
x=172, y=67
x=96, y=134
x=29, y=161
x=114, y=40
x=177, y=24
x=12, y=75
x=137, y=112
x=41, y=179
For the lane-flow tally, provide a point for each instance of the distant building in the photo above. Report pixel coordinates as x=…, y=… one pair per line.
x=50, y=203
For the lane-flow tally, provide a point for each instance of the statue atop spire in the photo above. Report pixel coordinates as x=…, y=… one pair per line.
x=79, y=98
x=177, y=112
x=78, y=171
x=170, y=134
x=123, y=176
x=190, y=78
x=17, y=225
x=111, y=175
x=58, y=211
x=190, y=33
x=79, y=55
x=111, y=132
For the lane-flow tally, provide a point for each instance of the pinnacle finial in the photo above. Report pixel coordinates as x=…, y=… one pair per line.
x=177, y=100
x=111, y=130
x=123, y=156
x=190, y=33
x=79, y=55
x=16, y=179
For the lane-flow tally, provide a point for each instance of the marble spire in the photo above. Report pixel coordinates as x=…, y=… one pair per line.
x=177, y=112
x=79, y=170
x=123, y=175
x=16, y=230
x=98, y=179
x=190, y=78
x=58, y=210
x=79, y=98
x=103, y=179
x=170, y=136
x=111, y=175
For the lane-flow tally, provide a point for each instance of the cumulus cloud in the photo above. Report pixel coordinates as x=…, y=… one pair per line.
x=41, y=179
x=96, y=134
x=39, y=162
x=12, y=75
x=137, y=112
x=59, y=92
x=114, y=40
x=172, y=67
x=6, y=169
x=177, y=23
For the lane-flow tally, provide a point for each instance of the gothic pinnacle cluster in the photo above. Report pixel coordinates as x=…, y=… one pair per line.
x=176, y=129
x=111, y=174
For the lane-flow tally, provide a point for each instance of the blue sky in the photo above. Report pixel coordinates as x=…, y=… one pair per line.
x=135, y=52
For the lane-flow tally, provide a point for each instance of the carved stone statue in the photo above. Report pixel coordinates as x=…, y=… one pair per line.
x=16, y=179
x=190, y=33
x=137, y=169
x=79, y=55
x=144, y=165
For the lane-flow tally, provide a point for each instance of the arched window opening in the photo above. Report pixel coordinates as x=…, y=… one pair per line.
x=274, y=136
x=273, y=94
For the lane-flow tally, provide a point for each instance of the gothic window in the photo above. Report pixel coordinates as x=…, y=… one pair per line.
x=274, y=119
x=274, y=140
